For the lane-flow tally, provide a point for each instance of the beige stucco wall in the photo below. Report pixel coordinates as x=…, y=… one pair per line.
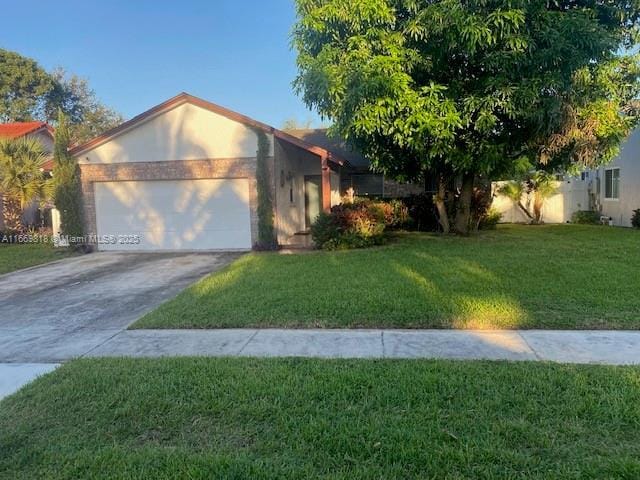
x=291, y=165
x=186, y=142
x=628, y=161
x=335, y=188
x=574, y=193
x=186, y=132
x=45, y=139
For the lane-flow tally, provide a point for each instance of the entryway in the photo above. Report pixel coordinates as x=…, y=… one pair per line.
x=312, y=199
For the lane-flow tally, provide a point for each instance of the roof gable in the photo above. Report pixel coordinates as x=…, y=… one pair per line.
x=183, y=132
x=184, y=98
x=20, y=129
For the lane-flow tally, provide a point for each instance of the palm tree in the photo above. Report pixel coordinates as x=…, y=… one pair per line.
x=539, y=184
x=22, y=178
x=514, y=190
x=543, y=186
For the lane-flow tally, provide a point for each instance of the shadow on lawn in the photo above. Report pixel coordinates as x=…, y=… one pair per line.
x=462, y=305
x=515, y=277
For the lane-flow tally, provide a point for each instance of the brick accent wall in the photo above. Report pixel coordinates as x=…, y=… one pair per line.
x=171, y=170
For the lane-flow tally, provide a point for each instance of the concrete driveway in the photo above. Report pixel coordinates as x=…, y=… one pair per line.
x=56, y=312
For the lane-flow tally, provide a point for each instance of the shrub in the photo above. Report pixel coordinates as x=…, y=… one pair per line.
x=481, y=207
x=635, y=218
x=68, y=190
x=399, y=214
x=266, y=234
x=490, y=220
x=585, y=217
x=325, y=229
x=421, y=213
x=352, y=225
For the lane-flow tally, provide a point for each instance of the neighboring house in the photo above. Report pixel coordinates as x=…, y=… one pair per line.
x=612, y=190
x=615, y=188
x=44, y=133
x=182, y=176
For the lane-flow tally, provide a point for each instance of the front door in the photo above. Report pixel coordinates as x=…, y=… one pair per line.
x=312, y=198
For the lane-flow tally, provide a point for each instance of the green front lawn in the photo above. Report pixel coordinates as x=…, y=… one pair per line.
x=17, y=256
x=555, y=276
x=340, y=419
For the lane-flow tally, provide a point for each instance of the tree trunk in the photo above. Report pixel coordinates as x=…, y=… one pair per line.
x=525, y=211
x=439, y=200
x=463, y=208
x=538, y=201
x=12, y=214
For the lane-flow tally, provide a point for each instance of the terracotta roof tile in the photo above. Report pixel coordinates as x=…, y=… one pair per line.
x=20, y=129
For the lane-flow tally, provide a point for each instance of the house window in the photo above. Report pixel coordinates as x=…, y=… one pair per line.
x=365, y=184
x=612, y=183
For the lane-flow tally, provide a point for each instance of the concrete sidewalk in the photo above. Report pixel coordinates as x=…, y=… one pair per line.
x=570, y=346
x=15, y=375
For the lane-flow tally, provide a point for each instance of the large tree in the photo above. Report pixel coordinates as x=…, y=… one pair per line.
x=23, y=88
x=471, y=88
x=28, y=92
x=87, y=116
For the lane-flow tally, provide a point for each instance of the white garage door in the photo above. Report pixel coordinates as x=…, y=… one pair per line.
x=173, y=215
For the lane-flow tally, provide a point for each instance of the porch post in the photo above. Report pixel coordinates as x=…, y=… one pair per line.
x=326, y=184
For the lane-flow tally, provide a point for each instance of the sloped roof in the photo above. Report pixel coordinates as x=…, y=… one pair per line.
x=337, y=146
x=186, y=98
x=20, y=129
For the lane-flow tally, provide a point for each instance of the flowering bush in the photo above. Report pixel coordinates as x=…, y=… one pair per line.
x=354, y=225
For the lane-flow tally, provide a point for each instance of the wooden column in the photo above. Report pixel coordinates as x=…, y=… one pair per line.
x=326, y=184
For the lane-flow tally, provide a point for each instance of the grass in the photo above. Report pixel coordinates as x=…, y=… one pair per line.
x=300, y=418
x=17, y=256
x=554, y=276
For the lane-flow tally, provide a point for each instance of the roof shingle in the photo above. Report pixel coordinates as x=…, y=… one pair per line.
x=337, y=146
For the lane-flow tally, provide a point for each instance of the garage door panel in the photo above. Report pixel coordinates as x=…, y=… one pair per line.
x=175, y=215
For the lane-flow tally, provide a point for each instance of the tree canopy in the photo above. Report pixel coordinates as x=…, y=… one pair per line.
x=23, y=88
x=28, y=92
x=471, y=88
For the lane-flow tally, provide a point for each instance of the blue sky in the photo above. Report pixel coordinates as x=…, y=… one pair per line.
x=139, y=53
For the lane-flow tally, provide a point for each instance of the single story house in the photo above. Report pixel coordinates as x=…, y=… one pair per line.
x=182, y=176
x=612, y=190
x=44, y=133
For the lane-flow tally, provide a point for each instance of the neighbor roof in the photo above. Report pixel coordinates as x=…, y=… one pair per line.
x=338, y=146
x=183, y=98
x=20, y=129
